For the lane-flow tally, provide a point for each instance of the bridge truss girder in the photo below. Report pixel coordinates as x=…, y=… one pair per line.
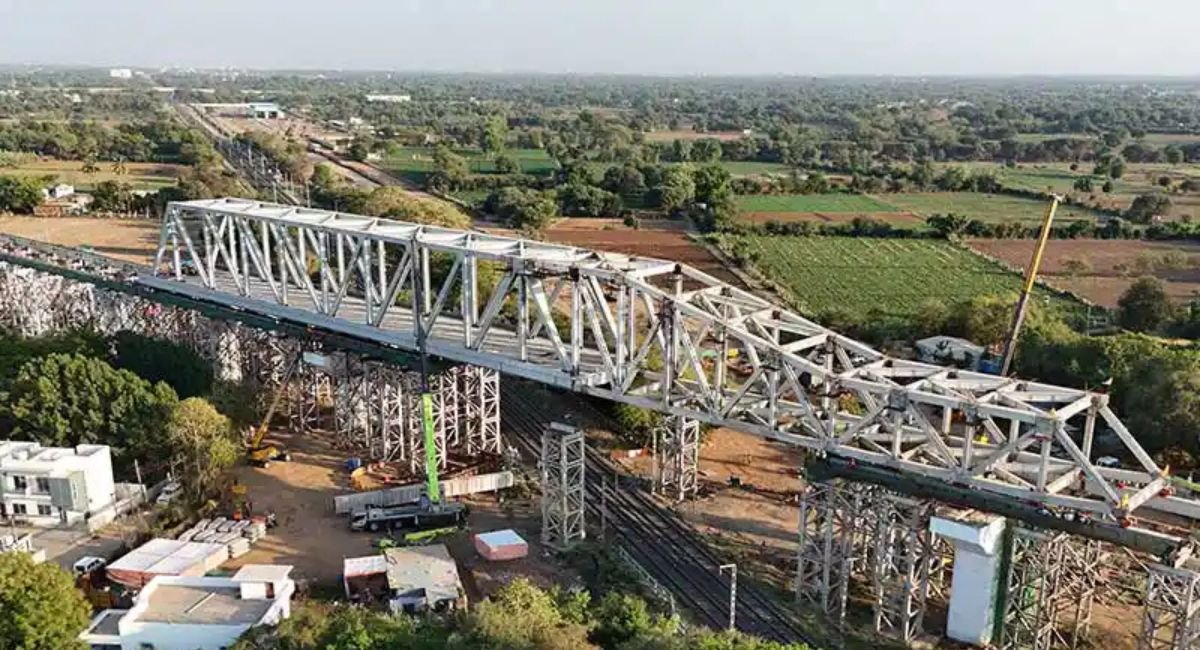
x=660, y=335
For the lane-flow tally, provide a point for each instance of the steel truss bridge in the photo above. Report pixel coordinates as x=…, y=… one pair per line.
x=660, y=335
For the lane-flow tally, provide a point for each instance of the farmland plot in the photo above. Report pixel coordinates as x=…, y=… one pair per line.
x=891, y=275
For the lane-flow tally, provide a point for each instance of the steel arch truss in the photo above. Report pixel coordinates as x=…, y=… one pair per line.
x=656, y=334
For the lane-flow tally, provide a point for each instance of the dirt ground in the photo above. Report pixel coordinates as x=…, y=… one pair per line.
x=315, y=540
x=131, y=240
x=661, y=239
x=1110, y=265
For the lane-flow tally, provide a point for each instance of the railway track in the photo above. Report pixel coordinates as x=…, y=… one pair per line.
x=662, y=543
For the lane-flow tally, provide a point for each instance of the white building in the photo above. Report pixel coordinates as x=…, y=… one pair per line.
x=120, y=73
x=47, y=486
x=194, y=613
x=60, y=191
x=395, y=99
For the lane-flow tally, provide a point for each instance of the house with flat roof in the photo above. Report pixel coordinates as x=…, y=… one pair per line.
x=196, y=613
x=49, y=486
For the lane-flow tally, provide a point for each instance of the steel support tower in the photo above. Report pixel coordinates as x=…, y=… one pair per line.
x=1172, y=616
x=562, y=486
x=679, y=458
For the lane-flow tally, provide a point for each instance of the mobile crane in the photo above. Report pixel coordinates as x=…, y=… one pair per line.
x=1014, y=330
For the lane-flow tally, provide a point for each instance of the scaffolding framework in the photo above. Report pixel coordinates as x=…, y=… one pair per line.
x=562, y=486
x=1049, y=590
x=903, y=549
x=679, y=458
x=1171, y=621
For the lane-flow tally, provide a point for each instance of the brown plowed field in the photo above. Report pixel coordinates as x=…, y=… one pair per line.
x=667, y=241
x=1111, y=265
x=899, y=219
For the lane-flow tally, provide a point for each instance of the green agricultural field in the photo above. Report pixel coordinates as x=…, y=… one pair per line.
x=861, y=274
x=985, y=207
x=753, y=167
x=851, y=203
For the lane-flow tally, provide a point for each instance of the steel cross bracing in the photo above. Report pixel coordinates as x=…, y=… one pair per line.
x=657, y=334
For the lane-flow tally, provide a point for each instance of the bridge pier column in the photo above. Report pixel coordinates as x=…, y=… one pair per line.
x=975, y=586
x=563, y=473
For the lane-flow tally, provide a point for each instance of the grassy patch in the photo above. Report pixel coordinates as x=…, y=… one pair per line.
x=141, y=176
x=812, y=203
x=892, y=275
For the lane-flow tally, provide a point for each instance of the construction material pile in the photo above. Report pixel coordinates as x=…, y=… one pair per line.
x=236, y=536
x=501, y=545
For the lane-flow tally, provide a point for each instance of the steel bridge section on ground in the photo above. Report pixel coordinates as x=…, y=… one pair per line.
x=655, y=334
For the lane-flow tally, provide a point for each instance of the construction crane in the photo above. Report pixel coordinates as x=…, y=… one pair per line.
x=1014, y=330
x=261, y=454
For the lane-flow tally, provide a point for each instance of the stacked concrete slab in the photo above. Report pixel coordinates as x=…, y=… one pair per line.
x=235, y=536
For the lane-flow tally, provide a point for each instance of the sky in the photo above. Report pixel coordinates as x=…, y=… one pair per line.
x=689, y=37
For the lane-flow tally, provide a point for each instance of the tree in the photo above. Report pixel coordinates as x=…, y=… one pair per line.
x=155, y=360
x=204, y=445
x=111, y=196
x=19, y=193
x=1107, y=188
x=626, y=180
x=1145, y=306
x=1084, y=184
x=622, y=617
x=676, y=190
x=681, y=151
x=1173, y=154
x=360, y=147
x=449, y=167
x=1164, y=181
x=506, y=165
x=580, y=200
x=1160, y=398
x=70, y=399
x=523, y=208
x=495, y=132
x=1147, y=206
x=521, y=616
x=707, y=150
x=40, y=609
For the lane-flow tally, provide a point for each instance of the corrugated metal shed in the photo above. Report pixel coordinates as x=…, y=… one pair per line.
x=423, y=571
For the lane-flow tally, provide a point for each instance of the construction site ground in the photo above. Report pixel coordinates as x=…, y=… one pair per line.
x=315, y=540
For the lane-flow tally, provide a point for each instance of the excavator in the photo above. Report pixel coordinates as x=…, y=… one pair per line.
x=258, y=453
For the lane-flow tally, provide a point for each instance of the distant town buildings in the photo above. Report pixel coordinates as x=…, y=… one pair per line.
x=196, y=613
x=257, y=110
x=120, y=73
x=389, y=98
x=48, y=486
x=62, y=201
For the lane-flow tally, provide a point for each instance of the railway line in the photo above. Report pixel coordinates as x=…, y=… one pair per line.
x=664, y=545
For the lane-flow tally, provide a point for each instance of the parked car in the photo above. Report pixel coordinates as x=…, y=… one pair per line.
x=88, y=564
x=168, y=494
